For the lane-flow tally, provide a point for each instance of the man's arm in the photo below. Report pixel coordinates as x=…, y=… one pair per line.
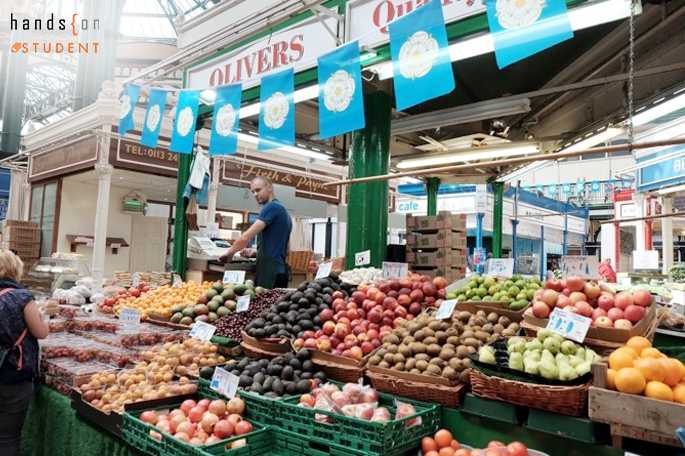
x=243, y=240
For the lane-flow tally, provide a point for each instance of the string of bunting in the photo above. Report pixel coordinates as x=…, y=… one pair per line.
x=422, y=71
x=580, y=187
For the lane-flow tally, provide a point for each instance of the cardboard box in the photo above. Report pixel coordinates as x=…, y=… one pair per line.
x=451, y=274
x=607, y=334
x=444, y=220
x=19, y=245
x=440, y=257
x=443, y=239
x=28, y=254
x=24, y=223
x=21, y=234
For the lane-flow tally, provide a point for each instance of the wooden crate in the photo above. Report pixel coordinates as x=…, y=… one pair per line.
x=633, y=416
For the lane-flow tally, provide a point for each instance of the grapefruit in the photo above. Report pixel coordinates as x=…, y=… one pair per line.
x=638, y=343
x=659, y=390
x=630, y=380
x=651, y=368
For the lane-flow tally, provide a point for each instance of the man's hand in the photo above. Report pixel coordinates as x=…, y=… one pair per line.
x=226, y=257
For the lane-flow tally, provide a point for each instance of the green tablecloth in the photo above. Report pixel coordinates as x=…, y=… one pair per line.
x=52, y=428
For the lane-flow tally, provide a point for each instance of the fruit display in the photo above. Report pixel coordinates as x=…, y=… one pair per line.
x=160, y=300
x=441, y=348
x=589, y=299
x=201, y=422
x=357, y=276
x=443, y=444
x=234, y=323
x=298, y=311
x=219, y=301
x=282, y=376
x=354, y=400
x=639, y=368
x=549, y=355
x=112, y=297
x=179, y=358
x=517, y=291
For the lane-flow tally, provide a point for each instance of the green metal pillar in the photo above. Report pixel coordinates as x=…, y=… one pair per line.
x=367, y=210
x=15, y=91
x=94, y=68
x=180, y=224
x=432, y=187
x=498, y=190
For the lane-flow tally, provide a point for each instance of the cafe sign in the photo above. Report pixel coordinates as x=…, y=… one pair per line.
x=239, y=174
x=367, y=20
x=75, y=157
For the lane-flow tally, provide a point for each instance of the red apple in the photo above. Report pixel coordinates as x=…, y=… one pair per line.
x=577, y=296
x=554, y=284
x=550, y=297
x=615, y=313
x=326, y=315
x=591, y=290
x=563, y=301
x=356, y=353
x=415, y=308
x=634, y=313
x=575, y=283
x=623, y=300
x=599, y=312
x=584, y=308
x=416, y=295
x=642, y=298
x=605, y=302
x=540, y=309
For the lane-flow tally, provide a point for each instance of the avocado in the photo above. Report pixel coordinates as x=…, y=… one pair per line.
x=308, y=366
x=207, y=372
x=304, y=386
x=177, y=308
x=267, y=384
x=245, y=381
x=186, y=321
x=291, y=388
x=277, y=387
x=295, y=364
x=303, y=354
x=259, y=377
x=287, y=373
x=257, y=388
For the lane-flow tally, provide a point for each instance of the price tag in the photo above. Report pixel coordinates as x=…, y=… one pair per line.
x=446, y=309
x=500, y=267
x=362, y=258
x=568, y=324
x=234, y=277
x=178, y=281
x=131, y=319
x=116, y=246
x=324, y=270
x=90, y=243
x=585, y=267
x=394, y=270
x=224, y=383
x=243, y=303
x=202, y=330
x=135, y=279
x=87, y=309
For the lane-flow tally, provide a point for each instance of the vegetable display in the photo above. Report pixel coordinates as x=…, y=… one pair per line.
x=234, y=323
x=517, y=291
x=213, y=304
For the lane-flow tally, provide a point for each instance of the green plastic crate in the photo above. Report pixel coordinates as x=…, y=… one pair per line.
x=360, y=436
x=258, y=443
x=262, y=409
x=290, y=444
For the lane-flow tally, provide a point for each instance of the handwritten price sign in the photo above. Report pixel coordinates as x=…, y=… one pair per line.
x=500, y=267
x=585, y=267
x=202, y=330
x=224, y=383
x=234, y=277
x=131, y=319
x=571, y=326
x=394, y=270
x=362, y=258
x=243, y=303
x=446, y=309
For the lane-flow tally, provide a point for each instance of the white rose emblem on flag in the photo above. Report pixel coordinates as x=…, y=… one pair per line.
x=153, y=118
x=516, y=14
x=338, y=91
x=276, y=110
x=418, y=55
x=225, y=120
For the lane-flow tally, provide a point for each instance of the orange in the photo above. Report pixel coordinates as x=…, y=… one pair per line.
x=428, y=444
x=651, y=368
x=672, y=369
x=651, y=353
x=638, y=343
x=443, y=438
x=621, y=358
x=659, y=390
x=447, y=451
x=630, y=380
x=611, y=379
x=679, y=393
x=680, y=365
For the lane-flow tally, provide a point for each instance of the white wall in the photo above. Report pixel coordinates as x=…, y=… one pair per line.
x=77, y=216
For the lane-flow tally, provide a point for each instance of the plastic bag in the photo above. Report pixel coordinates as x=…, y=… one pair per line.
x=82, y=290
x=404, y=410
x=97, y=298
x=381, y=415
x=361, y=411
x=74, y=297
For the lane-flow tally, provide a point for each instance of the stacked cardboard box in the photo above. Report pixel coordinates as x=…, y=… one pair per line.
x=436, y=245
x=23, y=237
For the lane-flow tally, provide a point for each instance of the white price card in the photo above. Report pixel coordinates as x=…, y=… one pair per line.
x=500, y=267
x=394, y=270
x=131, y=319
x=116, y=246
x=90, y=242
x=446, y=309
x=585, y=267
x=362, y=258
x=234, y=277
x=324, y=270
x=243, y=303
x=224, y=383
x=178, y=281
x=202, y=330
x=135, y=279
x=568, y=324
x=87, y=309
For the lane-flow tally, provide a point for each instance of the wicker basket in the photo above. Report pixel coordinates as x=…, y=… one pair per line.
x=447, y=396
x=338, y=265
x=566, y=400
x=299, y=260
x=254, y=352
x=340, y=372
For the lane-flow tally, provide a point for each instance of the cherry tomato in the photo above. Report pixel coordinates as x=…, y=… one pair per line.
x=496, y=444
x=516, y=449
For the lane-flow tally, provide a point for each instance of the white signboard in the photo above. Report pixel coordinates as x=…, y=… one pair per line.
x=645, y=259
x=362, y=258
x=202, y=330
x=500, y=267
x=394, y=270
x=446, y=309
x=296, y=47
x=178, y=281
x=585, y=267
x=367, y=20
x=324, y=270
x=233, y=277
x=135, y=279
x=212, y=230
x=568, y=324
x=243, y=303
x=225, y=383
x=131, y=319
x=481, y=198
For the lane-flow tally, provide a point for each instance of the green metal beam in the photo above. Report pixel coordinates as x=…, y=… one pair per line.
x=432, y=187
x=367, y=209
x=498, y=190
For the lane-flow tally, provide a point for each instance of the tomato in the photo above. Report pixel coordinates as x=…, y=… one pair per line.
x=496, y=444
x=516, y=449
x=462, y=452
x=492, y=452
x=428, y=444
x=443, y=438
x=455, y=445
x=475, y=452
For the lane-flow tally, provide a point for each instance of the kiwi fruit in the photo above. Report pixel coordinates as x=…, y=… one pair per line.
x=437, y=362
x=422, y=357
x=471, y=349
x=418, y=347
x=454, y=340
x=508, y=332
x=389, y=358
x=492, y=317
x=447, y=353
x=451, y=331
x=375, y=360
x=444, y=326
x=456, y=364
x=434, y=350
x=480, y=321
x=450, y=373
x=430, y=340
x=432, y=369
x=413, y=327
x=434, y=325
x=422, y=365
x=487, y=328
x=441, y=336
x=444, y=346
x=419, y=335
x=384, y=365
x=410, y=364
x=497, y=329
x=462, y=351
x=399, y=358
x=515, y=326
x=465, y=376
x=481, y=313
x=404, y=350
x=464, y=316
x=391, y=338
x=504, y=321
x=427, y=332
x=399, y=367
x=468, y=335
x=408, y=340
x=482, y=336
x=393, y=349
x=416, y=371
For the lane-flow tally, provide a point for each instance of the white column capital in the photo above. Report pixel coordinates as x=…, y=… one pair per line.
x=103, y=170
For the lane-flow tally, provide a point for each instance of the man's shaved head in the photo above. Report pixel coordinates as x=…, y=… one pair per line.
x=263, y=189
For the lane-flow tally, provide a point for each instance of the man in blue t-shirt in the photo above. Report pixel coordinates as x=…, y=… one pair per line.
x=272, y=228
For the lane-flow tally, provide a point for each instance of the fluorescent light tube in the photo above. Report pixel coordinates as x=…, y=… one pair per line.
x=478, y=153
x=517, y=174
x=665, y=191
x=581, y=18
x=587, y=143
x=659, y=110
x=295, y=150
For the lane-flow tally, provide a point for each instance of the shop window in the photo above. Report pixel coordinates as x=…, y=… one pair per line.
x=45, y=212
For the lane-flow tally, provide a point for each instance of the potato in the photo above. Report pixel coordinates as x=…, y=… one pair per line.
x=497, y=329
x=381, y=352
x=441, y=336
x=410, y=364
x=508, y=332
x=481, y=313
x=409, y=339
x=428, y=332
x=471, y=351
x=465, y=376
x=413, y=327
x=451, y=331
x=399, y=358
x=457, y=364
x=452, y=346
x=445, y=325
x=416, y=371
x=480, y=321
x=515, y=326
x=487, y=328
x=404, y=350
x=419, y=335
